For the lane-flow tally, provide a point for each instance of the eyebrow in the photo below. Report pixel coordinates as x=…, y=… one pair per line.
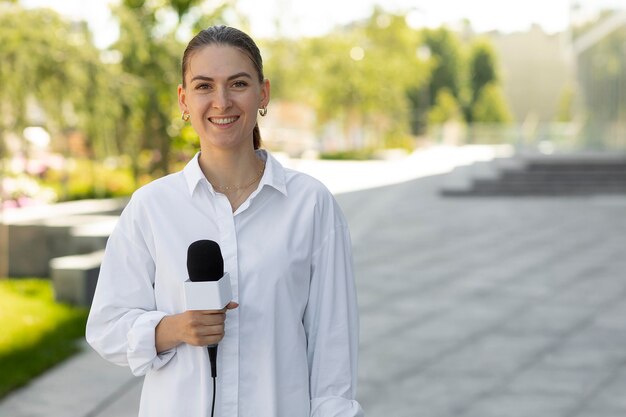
x=232, y=77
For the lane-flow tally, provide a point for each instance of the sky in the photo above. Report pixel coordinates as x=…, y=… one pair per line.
x=309, y=18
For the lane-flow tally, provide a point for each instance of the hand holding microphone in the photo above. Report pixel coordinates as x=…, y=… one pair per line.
x=208, y=288
x=207, y=294
x=207, y=297
x=203, y=327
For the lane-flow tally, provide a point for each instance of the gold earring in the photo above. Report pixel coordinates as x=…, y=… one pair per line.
x=263, y=111
x=185, y=116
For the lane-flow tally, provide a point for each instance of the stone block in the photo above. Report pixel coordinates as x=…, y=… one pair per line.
x=40, y=233
x=74, y=277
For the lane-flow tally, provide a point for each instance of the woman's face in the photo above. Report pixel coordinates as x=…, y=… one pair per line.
x=222, y=96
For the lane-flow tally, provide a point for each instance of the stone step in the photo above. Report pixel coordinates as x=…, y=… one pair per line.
x=38, y=234
x=547, y=175
x=32, y=245
x=542, y=176
x=74, y=277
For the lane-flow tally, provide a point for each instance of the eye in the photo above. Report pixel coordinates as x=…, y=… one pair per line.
x=202, y=86
x=240, y=84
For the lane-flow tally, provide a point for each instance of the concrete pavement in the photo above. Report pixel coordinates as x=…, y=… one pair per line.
x=485, y=307
x=473, y=307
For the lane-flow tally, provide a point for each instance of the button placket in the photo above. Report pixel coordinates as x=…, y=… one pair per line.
x=229, y=349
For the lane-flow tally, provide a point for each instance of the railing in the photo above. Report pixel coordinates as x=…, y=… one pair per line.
x=542, y=137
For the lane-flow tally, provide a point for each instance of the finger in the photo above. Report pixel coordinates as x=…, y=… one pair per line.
x=213, y=319
x=198, y=335
x=212, y=312
x=211, y=331
x=213, y=340
x=231, y=305
x=206, y=340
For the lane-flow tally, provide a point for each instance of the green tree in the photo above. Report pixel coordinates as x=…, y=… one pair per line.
x=283, y=61
x=485, y=92
x=482, y=66
x=58, y=82
x=446, y=108
x=150, y=63
x=448, y=66
x=149, y=66
x=357, y=74
x=490, y=106
x=182, y=7
x=441, y=50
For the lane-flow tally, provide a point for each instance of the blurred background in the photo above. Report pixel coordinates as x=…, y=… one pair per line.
x=89, y=105
x=88, y=113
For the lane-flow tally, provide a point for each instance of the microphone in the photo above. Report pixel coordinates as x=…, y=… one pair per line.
x=205, y=261
x=208, y=287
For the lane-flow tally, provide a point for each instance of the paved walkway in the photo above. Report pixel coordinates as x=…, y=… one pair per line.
x=490, y=307
x=472, y=307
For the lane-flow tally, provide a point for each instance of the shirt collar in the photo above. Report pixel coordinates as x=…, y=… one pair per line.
x=193, y=174
x=274, y=174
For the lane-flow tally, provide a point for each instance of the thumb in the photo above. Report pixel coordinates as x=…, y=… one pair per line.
x=232, y=305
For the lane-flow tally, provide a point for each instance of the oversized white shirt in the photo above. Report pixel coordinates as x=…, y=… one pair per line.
x=290, y=348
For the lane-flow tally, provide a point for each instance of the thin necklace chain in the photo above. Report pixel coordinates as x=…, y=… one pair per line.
x=241, y=187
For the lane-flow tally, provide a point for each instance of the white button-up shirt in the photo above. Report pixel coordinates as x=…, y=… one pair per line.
x=290, y=348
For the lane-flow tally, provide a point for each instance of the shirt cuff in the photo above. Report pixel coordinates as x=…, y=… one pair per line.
x=335, y=407
x=142, y=355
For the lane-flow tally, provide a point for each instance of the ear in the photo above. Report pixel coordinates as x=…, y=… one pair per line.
x=182, y=98
x=265, y=93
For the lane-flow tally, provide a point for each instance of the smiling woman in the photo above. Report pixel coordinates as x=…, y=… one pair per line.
x=222, y=100
x=288, y=341
x=222, y=89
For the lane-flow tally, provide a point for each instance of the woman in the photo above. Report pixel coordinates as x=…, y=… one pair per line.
x=288, y=345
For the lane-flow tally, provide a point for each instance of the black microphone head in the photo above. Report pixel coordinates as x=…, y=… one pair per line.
x=204, y=261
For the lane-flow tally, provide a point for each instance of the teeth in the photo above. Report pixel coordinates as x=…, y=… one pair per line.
x=223, y=121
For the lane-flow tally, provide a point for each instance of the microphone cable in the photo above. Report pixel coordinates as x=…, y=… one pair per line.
x=213, y=403
x=213, y=358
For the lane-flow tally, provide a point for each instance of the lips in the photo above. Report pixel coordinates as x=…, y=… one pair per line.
x=223, y=120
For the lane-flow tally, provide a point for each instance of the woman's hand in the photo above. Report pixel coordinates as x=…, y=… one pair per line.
x=194, y=327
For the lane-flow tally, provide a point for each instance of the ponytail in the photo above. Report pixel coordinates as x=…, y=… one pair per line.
x=256, y=137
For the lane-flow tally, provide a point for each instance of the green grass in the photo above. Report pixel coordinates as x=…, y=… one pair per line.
x=350, y=155
x=35, y=331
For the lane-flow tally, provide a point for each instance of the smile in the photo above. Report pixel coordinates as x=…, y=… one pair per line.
x=223, y=120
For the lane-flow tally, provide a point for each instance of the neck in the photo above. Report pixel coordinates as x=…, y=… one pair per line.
x=228, y=168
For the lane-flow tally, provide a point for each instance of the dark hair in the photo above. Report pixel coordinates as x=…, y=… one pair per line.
x=225, y=35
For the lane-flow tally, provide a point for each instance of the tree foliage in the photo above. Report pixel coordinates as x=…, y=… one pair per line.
x=487, y=102
x=149, y=64
x=54, y=77
x=358, y=74
x=446, y=108
x=490, y=105
x=377, y=75
x=150, y=61
x=448, y=66
x=482, y=66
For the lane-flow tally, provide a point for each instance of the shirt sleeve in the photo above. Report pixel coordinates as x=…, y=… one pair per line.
x=123, y=316
x=331, y=324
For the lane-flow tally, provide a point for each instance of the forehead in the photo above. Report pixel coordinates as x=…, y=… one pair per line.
x=219, y=61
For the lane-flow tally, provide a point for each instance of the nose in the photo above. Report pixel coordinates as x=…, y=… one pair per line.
x=221, y=99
